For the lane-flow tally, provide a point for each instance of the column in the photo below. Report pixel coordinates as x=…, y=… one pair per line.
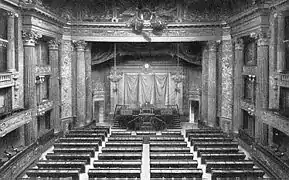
x=29, y=39
x=80, y=83
x=262, y=83
x=54, y=93
x=273, y=88
x=88, y=82
x=212, y=84
x=11, y=42
x=204, y=100
x=226, y=85
x=281, y=44
x=238, y=84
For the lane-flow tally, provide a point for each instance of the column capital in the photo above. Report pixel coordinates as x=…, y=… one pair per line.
x=80, y=45
x=239, y=43
x=212, y=45
x=30, y=37
x=262, y=39
x=53, y=44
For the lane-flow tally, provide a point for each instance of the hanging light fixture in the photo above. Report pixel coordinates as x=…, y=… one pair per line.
x=115, y=76
x=178, y=76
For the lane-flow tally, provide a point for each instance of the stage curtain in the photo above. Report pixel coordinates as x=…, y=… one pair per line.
x=131, y=89
x=146, y=91
x=161, y=90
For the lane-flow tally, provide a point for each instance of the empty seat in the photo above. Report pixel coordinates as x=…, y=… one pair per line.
x=168, y=144
x=253, y=173
x=172, y=133
x=228, y=156
x=129, y=138
x=173, y=164
x=208, y=139
x=81, y=139
x=69, y=156
x=176, y=173
x=54, y=173
x=117, y=164
x=119, y=156
x=88, y=131
x=114, y=173
x=146, y=133
x=243, y=164
x=172, y=155
x=122, y=149
x=123, y=144
x=107, y=128
x=62, y=164
x=166, y=138
x=231, y=144
x=205, y=135
x=169, y=149
x=205, y=131
x=217, y=150
x=120, y=133
x=95, y=135
x=75, y=150
x=76, y=144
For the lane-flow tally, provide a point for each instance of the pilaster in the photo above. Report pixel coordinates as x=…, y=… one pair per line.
x=204, y=100
x=88, y=82
x=54, y=92
x=238, y=83
x=29, y=40
x=281, y=44
x=212, y=83
x=11, y=42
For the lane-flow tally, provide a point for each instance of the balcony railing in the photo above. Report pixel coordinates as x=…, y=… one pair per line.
x=284, y=80
x=14, y=121
x=45, y=106
x=6, y=80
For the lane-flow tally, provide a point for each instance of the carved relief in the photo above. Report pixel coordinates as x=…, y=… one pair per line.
x=30, y=37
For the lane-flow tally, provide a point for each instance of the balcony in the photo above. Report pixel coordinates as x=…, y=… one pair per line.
x=14, y=121
x=43, y=70
x=248, y=106
x=284, y=80
x=6, y=80
x=45, y=106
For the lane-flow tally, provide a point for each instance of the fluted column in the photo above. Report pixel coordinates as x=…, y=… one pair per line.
x=29, y=39
x=262, y=83
x=204, y=102
x=238, y=83
x=80, y=83
x=11, y=42
x=89, y=98
x=281, y=45
x=212, y=84
x=54, y=92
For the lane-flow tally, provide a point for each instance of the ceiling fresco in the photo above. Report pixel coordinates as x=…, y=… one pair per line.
x=168, y=10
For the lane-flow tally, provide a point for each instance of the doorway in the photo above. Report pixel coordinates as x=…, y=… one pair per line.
x=194, y=111
x=98, y=110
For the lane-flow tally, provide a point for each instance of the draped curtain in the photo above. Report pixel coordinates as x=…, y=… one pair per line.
x=141, y=88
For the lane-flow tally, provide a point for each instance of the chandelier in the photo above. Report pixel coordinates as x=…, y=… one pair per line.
x=115, y=76
x=146, y=18
x=178, y=76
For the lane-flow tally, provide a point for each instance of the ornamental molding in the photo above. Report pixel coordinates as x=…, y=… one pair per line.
x=79, y=45
x=13, y=122
x=283, y=80
x=42, y=70
x=30, y=37
x=54, y=44
x=44, y=107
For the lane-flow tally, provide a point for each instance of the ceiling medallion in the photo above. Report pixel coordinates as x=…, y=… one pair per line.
x=145, y=18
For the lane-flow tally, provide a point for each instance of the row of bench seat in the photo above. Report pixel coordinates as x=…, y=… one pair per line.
x=70, y=154
x=221, y=154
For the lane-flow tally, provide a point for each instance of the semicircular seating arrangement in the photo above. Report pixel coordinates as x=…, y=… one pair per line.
x=221, y=155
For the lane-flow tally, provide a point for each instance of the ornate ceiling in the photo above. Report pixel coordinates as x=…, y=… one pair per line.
x=169, y=10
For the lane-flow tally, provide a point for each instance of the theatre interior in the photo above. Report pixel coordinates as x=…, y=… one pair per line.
x=144, y=89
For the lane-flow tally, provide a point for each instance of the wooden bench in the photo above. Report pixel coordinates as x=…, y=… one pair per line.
x=69, y=156
x=114, y=179
x=119, y=156
x=231, y=144
x=117, y=164
x=172, y=133
x=62, y=164
x=166, y=138
x=54, y=173
x=120, y=133
x=122, y=149
x=176, y=173
x=93, y=135
x=129, y=138
x=114, y=173
x=223, y=157
x=88, y=131
x=75, y=150
x=170, y=149
x=146, y=133
x=172, y=155
x=107, y=128
x=168, y=144
x=81, y=139
x=234, y=173
x=204, y=131
x=173, y=164
x=217, y=150
x=243, y=164
x=123, y=144
x=190, y=136
x=209, y=139
x=76, y=145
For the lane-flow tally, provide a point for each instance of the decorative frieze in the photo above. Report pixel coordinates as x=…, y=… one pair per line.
x=44, y=107
x=30, y=37
x=15, y=121
x=249, y=70
x=43, y=70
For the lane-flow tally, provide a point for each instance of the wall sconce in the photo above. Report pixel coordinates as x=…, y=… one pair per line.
x=252, y=78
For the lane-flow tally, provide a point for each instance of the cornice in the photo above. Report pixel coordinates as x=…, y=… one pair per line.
x=42, y=11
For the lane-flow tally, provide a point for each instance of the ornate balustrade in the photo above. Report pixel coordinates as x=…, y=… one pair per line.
x=43, y=70
x=284, y=80
x=14, y=121
x=6, y=80
x=45, y=106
